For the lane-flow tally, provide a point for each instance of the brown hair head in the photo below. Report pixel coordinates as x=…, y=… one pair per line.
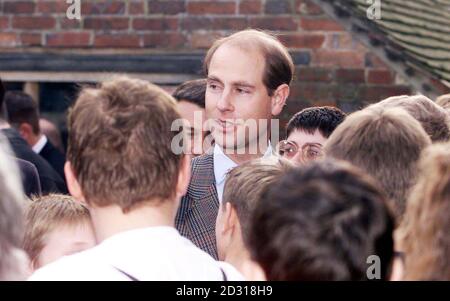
x=434, y=119
x=120, y=143
x=245, y=183
x=279, y=68
x=385, y=143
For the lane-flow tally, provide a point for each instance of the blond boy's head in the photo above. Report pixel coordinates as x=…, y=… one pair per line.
x=56, y=226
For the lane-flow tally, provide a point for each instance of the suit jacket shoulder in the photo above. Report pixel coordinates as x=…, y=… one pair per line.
x=196, y=217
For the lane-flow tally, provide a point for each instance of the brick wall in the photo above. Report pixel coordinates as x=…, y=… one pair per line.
x=335, y=70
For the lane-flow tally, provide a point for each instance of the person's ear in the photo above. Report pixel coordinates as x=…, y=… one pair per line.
x=279, y=98
x=72, y=183
x=230, y=218
x=26, y=131
x=184, y=176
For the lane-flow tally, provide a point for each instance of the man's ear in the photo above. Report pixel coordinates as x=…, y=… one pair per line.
x=26, y=131
x=184, y=176
x=279, y=98
x=230, y=218
x=72, y=183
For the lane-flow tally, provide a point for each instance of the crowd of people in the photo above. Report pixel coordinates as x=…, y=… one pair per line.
x=358, y=196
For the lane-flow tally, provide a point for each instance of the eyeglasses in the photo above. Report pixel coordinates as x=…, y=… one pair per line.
x=309, y=151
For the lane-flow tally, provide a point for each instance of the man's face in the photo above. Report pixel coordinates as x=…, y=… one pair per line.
x=235, y=96
x=301, y=147
x=194, y=131
x=66, y=240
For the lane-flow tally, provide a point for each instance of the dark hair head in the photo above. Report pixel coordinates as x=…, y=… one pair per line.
x=192, y=91
x=21, y=108
x=322, y=222
x=325, y=119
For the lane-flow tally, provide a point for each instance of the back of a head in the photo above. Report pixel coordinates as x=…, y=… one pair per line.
x=444, y=101
x=279, y=68
x=11, y=215
x=322, y=222
x=385, y=143
x=245, y=183
x=21, y=108
x=192, y=91
x=325, y=119
x=424, y=231
x=46, y=213
x=434, y=119
x=120, y=142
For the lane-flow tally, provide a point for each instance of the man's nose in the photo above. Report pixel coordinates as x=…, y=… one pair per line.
x=225, y=102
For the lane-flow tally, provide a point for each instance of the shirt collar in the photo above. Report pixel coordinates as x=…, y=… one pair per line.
x=39, y=145
x=223, y=163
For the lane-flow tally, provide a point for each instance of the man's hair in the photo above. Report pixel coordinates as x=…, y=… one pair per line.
x=424, y=232
x=47, y=213
x=279, y=67
x=444, y=101
x=11, y=214
x=321, y=222
x=244, y=184
x=192, y=91
x=385, y=143
x=434, y=119
x=21, y=108
x=324, y=119
x=120, y=141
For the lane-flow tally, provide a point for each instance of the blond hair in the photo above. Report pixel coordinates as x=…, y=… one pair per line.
x=424, y=231
x=45, y=214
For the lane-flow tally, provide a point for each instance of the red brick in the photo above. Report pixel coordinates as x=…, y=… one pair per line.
x=4, y=22
x=229, y=23
x=66, y=23
x=342, y=59
x=136, y=8
x=68, y=39
x=18, y=7
x=313, y=74
x=250, y=7
x=169, y=7
x=307, y=7
x=106, y=7
x=377, y=93
x=106, y=23
x=31, y=39
x=380, y=77
x=33, y=22
x=277, y=7
x=354, y=76
x=320, y=24
x=343, y=41
x=155, y=24
x=373, y=61
x=206, y=7
x=164, y=40
x=52, y=7
x=8, y=39
x=311, y=91
x=117, y=41
x=311, y=41
x=200, y=40
x=274, y=23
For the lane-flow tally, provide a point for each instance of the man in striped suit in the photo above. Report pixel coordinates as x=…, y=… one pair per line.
x=248, y=77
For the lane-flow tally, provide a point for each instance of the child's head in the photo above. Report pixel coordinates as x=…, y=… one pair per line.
x=56, y=226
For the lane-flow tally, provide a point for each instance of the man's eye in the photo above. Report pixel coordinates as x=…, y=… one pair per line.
x=242, y=91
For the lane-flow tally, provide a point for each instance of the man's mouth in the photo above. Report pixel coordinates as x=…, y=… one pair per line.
x=225, y=125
